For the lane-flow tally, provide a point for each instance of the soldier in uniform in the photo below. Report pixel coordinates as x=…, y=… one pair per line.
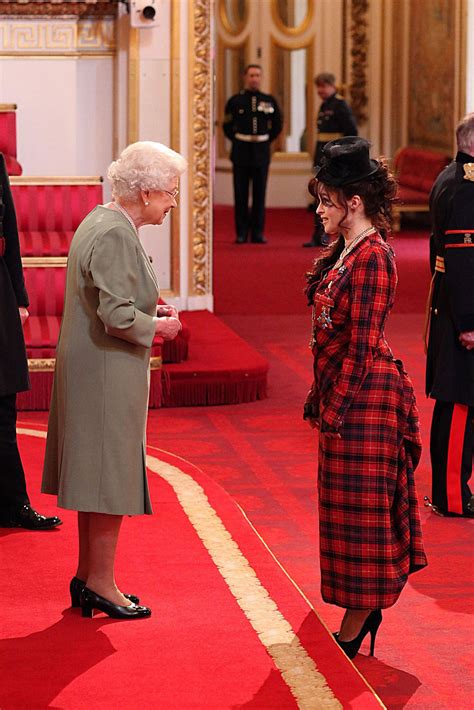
x=15, y=508
x=450, y=363
x=335, y=120
x=252, y=121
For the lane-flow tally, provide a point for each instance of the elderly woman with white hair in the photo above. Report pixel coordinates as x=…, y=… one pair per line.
x=95, y=452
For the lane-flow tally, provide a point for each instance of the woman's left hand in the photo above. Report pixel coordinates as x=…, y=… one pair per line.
x=331, y=434
x=169, y=311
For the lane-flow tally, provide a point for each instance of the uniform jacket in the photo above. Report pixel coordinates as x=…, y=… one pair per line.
x=95, y=453
x=450, y=366
x=335, y=116
x=13, y=362
x=251, y=113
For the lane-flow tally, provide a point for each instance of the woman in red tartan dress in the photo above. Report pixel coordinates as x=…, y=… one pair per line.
x=361, y=400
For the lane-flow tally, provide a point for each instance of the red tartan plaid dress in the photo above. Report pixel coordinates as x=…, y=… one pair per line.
x=370, y=530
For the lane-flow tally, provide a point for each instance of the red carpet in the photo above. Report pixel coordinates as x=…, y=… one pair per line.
x=254, y=279
x=229, y=629
x=264, y=456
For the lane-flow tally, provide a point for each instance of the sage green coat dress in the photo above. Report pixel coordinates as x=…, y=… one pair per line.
x=95, y=451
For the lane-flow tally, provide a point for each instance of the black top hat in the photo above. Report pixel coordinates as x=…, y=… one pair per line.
x=345, y=160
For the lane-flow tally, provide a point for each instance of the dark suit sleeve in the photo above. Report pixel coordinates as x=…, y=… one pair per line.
x=459, y=258
x=228, y=123
x=346, y=120
x=12, y=245
x=277, y=122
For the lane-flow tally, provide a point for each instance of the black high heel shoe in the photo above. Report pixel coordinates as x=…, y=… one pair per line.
x=371, y=625
x=90, y=601
x=77, y=585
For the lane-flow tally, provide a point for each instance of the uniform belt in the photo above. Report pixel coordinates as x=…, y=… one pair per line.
x=439, y=264
x=252, y=137
x=2, y=246
x=329, y=136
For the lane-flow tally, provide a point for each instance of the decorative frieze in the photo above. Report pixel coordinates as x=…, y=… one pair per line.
x=57, y=8
x=70, y=36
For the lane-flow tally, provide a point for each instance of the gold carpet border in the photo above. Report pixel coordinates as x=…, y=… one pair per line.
x=297, y=668
x=300, y=591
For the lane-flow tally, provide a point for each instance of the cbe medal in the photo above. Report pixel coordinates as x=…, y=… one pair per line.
x=322, y=311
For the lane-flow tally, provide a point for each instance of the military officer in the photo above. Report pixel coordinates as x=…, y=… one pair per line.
x=252, y=121
x=450, y=362
x=15, y=507
x=335, y=120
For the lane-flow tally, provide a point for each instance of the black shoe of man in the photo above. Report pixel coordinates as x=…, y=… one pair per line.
x=259, y=240
x=28, y=518
x=241, y=239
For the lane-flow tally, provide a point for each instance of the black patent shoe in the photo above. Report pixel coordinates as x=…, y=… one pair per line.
x=259, y=240
x=90, y=601
x=28, y=518
x=77, y=585
x=370, y=625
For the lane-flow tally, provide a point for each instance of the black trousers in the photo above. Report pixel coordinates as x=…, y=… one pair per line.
x=12, y=477
x=254, y=220
x=451, y=445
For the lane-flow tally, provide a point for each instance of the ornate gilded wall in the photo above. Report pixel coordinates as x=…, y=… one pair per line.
x=433, y=48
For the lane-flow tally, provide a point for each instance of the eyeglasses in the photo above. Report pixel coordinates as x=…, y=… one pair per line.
x=173, y=194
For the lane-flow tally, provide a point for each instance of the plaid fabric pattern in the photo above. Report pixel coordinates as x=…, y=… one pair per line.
x=370, y=531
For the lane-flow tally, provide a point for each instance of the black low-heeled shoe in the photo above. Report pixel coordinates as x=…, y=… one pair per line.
x=370, y=625
x=77, y=585
x=90, y=601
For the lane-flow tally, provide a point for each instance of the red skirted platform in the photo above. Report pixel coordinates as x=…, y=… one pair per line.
x=221, y=369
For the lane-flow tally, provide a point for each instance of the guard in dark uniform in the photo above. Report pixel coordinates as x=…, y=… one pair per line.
x=450, y=363
x=252, y=121
x=15, y=508
x=335, y=120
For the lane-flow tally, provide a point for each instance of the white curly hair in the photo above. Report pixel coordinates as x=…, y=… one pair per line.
x=144, y=165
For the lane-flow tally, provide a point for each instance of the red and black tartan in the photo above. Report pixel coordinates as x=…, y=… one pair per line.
x=370, y=530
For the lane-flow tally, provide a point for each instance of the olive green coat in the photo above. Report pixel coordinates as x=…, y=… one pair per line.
x=95, y=451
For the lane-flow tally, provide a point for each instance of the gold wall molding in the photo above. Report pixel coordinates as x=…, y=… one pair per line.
x=91, y=8
x=59, y=180
x=200, y=198
x=359, y=35
x=43, y=261
x=175, y=262
x=70, y=36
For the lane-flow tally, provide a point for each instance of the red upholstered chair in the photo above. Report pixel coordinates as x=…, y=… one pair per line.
x=45, y=286
x=49, y=210
x=416, y=169
x=8, y=138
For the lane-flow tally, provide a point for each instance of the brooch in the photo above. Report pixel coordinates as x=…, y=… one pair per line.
x=469, y=171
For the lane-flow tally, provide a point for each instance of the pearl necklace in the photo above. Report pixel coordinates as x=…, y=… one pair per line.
x=352, y=245
x=125, y=214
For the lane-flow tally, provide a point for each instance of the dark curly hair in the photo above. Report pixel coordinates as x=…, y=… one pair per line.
x=378, y=194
